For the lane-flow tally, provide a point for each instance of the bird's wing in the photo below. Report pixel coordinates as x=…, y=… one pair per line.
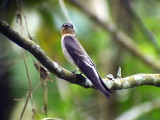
x=84, y=63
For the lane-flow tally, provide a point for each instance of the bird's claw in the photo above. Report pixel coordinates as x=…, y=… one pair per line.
x=74, y=71
x=110, y=77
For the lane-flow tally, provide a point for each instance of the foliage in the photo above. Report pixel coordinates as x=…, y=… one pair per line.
x=71, y=102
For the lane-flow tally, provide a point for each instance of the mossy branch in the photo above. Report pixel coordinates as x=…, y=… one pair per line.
x=53, y=67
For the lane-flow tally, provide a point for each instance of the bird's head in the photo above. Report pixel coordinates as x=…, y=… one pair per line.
x=67, y=29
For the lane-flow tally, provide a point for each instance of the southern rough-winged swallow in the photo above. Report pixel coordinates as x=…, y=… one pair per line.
x=77, y=56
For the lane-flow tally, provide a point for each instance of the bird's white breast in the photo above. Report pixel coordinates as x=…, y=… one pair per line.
x=66, y=54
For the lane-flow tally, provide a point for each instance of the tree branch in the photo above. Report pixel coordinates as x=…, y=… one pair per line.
x=120, y=36
x=39, y=54
x=53, y=67
x=133, y=81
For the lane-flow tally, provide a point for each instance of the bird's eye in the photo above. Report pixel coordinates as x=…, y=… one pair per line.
x=64, y=25
x=71, y=26
x=67, y=25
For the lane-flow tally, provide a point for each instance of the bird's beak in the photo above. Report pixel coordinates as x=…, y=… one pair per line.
x=67, y=30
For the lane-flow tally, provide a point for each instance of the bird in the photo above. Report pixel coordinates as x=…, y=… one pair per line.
x=78, y=57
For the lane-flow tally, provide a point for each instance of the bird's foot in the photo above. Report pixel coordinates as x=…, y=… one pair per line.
x=110, y=77
x=74, y=71
x=80, y=73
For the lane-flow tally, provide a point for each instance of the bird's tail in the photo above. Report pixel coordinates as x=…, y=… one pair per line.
x=104, y=89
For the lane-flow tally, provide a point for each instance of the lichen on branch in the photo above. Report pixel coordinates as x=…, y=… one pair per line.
x=53, y=67
x=134, y=81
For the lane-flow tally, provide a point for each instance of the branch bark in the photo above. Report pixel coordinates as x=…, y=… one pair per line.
x=39, y=54
x=53, y=67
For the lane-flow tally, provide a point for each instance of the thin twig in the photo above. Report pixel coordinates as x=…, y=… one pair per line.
x=29, y=80
x=20, y=17
x=44, y=76
x=25, y=105
x=45, y=95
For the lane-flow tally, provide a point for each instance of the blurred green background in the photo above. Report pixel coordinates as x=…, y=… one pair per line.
x=137, y=19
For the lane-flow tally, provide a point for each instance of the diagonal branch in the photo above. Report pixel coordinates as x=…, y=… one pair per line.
x=39, y=54
x=53, y=67
x=135, y=18
x=121, y=37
